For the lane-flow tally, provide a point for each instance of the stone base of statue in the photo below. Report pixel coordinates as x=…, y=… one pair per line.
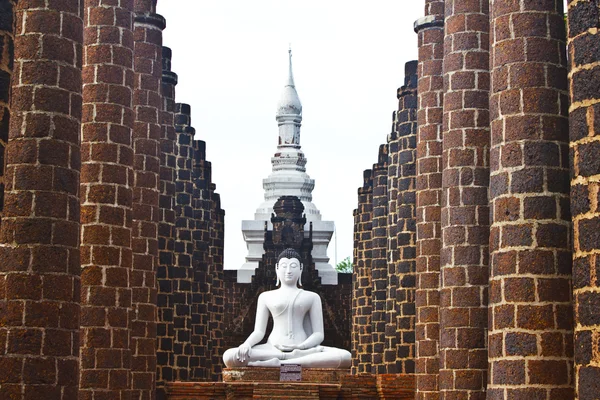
x=331, y=385
x=309, y=375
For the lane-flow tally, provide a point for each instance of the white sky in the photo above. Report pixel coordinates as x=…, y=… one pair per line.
x=231, y=58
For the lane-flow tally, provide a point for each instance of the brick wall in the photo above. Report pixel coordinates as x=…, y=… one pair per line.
x=584, y=60
x=385, y=248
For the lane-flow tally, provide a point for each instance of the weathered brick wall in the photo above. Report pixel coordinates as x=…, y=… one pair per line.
x=584, y=58
x=147, y=104
x=400, y=349
x=531, y=328
x=106, y=199
x=361, y=360
x=465, y=212
x=379, y=238
x=39, y=236
x=429, y=197
x=6, y=68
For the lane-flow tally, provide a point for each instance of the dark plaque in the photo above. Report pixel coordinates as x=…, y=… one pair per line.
x=290, y=373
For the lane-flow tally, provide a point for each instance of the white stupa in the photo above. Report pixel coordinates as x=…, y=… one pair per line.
x=289, y=178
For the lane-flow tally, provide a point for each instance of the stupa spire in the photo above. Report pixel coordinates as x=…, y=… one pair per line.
x=291, y=74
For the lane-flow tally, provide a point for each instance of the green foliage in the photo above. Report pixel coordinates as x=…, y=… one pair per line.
x=344, y=266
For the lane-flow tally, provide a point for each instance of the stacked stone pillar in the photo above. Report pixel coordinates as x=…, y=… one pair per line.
x=184, y=247
x=584, y=58
x=465, y=212
x=106, y=200
x=531, y=327
x=430, y=30
x=361, y=362
x=379, y=260
x=216, y=306
x=166, y=225
x=400, y=338
x=6, y=68
x=147, y=104
x=39, y=236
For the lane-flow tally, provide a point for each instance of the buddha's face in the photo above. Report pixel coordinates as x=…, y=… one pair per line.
x=289, y=270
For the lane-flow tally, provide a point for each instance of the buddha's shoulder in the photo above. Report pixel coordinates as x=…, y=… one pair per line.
x=310, y=295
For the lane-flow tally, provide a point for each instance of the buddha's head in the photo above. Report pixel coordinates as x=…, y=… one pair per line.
x=289, y=268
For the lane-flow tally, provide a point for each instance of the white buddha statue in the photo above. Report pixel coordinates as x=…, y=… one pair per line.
x=297, y=326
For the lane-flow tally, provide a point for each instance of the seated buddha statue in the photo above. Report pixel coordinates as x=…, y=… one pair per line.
x=297, y=326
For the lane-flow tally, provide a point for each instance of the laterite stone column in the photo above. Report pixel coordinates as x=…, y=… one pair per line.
x=391, y=339
x=429, y=197
x=531, y=319
x=404, y=274
x=166, y=227
x=216, y=307
x=465, y=211
x=584, y=57
x=379, y=260
x=147, y=105
x=39, y=237
x=201, y=296
x=361, y=363
x=107, y=180
x=6, y=68
x=184, y=246
x=355, y=276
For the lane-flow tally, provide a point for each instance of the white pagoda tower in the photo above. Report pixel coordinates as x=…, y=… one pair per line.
x=289, y=178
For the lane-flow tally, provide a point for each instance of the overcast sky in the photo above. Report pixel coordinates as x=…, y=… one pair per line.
x=231, y=58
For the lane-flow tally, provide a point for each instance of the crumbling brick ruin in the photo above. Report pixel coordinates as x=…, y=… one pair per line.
x=111, y=237
x=506, y=297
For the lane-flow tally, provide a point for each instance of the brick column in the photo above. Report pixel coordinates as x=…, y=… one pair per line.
x=584, y=57
x=184, y=246
x=202, y=202
x=402, y=277
x=531, y=328
x=217, y=301
x=364, y=349
x=106, y=200
x=429, y=196
x=147, y=104
x=355, y=325
x=166, y=227
x=379, y=260
x=39, y=237
x=6, y=68
x=391, y=338
x=465, y=211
